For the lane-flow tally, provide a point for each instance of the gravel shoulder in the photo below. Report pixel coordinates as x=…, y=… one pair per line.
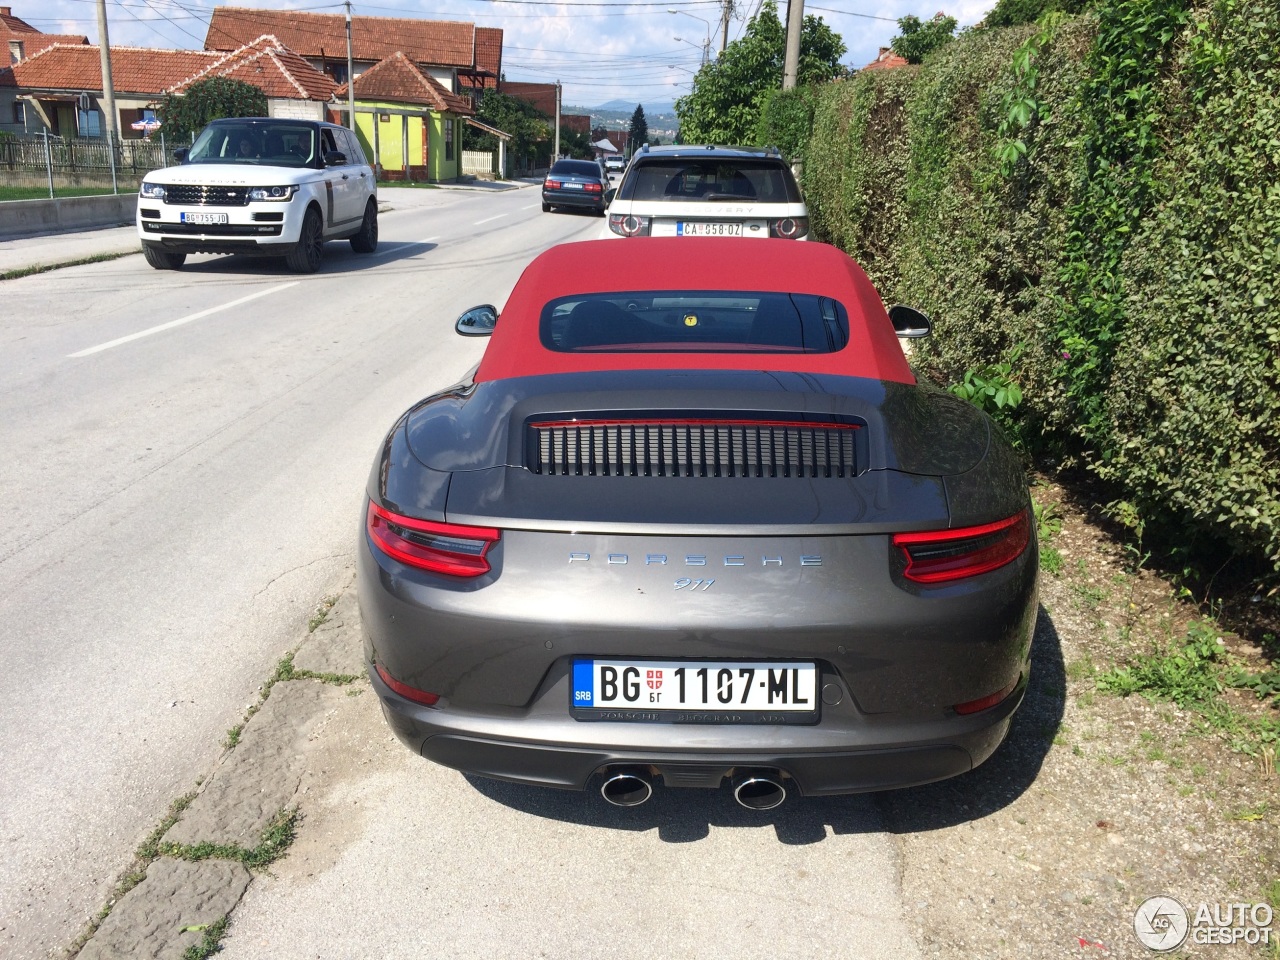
x=1095, y=802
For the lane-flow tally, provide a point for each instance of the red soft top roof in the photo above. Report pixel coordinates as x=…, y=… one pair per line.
x=686, y=263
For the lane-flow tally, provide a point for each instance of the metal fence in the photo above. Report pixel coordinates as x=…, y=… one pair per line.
x=63, y=159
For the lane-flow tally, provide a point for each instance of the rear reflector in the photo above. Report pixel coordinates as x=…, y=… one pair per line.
x=985, y=703
x=448, y=548
x=406, y=691
x=938, y=556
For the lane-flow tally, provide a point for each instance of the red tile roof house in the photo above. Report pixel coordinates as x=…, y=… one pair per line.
x=408, y=122
x=887, y=60
x=19, y=40
x=63, y=84
x=461, y=57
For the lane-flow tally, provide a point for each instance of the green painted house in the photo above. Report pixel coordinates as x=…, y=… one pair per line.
x=409, y=123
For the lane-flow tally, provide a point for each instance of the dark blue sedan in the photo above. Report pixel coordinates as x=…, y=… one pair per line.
x=575, y=183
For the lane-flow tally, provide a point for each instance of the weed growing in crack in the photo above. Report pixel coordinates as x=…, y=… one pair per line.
x=210, y=943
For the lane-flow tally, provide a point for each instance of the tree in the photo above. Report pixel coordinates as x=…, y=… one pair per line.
x=528, y=129
x=919, y=38
x=210, y=99
x=1008, y=13
x=639, y=130
x=729, y=95
x=575, y=144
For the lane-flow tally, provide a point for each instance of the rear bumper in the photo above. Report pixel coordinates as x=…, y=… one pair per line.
x=564, y=198
x=540, y=748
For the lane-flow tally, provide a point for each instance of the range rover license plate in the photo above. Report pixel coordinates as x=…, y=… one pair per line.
x=204, y=218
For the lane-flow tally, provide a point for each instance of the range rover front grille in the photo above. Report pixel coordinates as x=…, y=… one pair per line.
x=693, y=448
x=203, y=196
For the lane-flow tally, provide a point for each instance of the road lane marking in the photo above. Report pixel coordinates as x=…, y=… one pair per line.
x=428, y=240
x=532, y=206
x=490, y=219
x=180, y=321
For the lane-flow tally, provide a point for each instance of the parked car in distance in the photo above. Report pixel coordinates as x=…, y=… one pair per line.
x=262, y=186
x=708, y=191
x=692, y=520
x=575, y=183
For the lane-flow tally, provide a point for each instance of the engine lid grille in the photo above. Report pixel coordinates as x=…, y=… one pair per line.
x=764, y=448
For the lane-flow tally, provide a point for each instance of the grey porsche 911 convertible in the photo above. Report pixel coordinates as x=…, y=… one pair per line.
x=692, y=521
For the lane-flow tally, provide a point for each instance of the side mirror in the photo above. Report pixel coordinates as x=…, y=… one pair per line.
x=478, y=321
x=180, y=154
x=335, y=158
x=609, y=195
x=909, y=322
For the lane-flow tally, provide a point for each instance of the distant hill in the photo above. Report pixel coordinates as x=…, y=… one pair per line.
x=618, y=105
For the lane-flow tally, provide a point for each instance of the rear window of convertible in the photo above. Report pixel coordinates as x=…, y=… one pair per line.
x=694, y=322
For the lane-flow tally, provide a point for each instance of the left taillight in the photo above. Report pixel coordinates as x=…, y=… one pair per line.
x=940, y=556
x=449, y=548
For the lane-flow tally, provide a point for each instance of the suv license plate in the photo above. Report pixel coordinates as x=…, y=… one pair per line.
x=204, y=218
x=698, y=229
x=684, y=691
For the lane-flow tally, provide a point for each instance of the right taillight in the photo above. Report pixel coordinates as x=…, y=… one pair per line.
x=789, y=228
x=938, y=556
x=449, y=548
x=625, y=225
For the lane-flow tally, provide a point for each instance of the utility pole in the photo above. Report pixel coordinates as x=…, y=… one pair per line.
x=108, y=88
x=791, y=63
x=351, y=77
x=556, y=155
x=724, y=24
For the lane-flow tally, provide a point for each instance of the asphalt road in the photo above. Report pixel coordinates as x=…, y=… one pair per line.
x=185, y=458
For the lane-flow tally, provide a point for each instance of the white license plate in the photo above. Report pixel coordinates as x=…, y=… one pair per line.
x=731, y=691
x=698, y=229
x=204, y=218
x=572, y=186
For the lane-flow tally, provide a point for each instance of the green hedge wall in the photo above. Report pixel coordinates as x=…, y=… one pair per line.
x=1097, y=199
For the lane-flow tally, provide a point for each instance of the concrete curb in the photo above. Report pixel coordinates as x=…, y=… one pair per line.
x=27, y=218
x=180, y=898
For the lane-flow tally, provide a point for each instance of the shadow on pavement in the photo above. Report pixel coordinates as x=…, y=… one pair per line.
x=338, y=258
x=685, y=816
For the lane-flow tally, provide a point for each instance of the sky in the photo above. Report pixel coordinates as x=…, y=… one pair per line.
x=599, y=50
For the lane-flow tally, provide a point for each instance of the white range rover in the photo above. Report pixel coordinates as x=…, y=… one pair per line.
x=264, y=187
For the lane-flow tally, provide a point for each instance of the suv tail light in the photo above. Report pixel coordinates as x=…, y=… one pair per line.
x=789, y=228
x=448, y=548
x=944, y=555
x=625, y=225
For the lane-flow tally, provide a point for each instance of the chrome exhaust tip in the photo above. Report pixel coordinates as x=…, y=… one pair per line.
x=626, y=787
x=759, y=791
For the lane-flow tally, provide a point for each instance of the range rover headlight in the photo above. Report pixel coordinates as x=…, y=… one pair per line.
x=272, y=193
x=151, y=191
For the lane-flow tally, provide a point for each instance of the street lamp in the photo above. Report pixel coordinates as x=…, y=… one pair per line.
x=696, y=46
x=706, y=44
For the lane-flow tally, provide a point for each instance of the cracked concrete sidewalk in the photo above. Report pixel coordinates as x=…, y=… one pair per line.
x=199, y=876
